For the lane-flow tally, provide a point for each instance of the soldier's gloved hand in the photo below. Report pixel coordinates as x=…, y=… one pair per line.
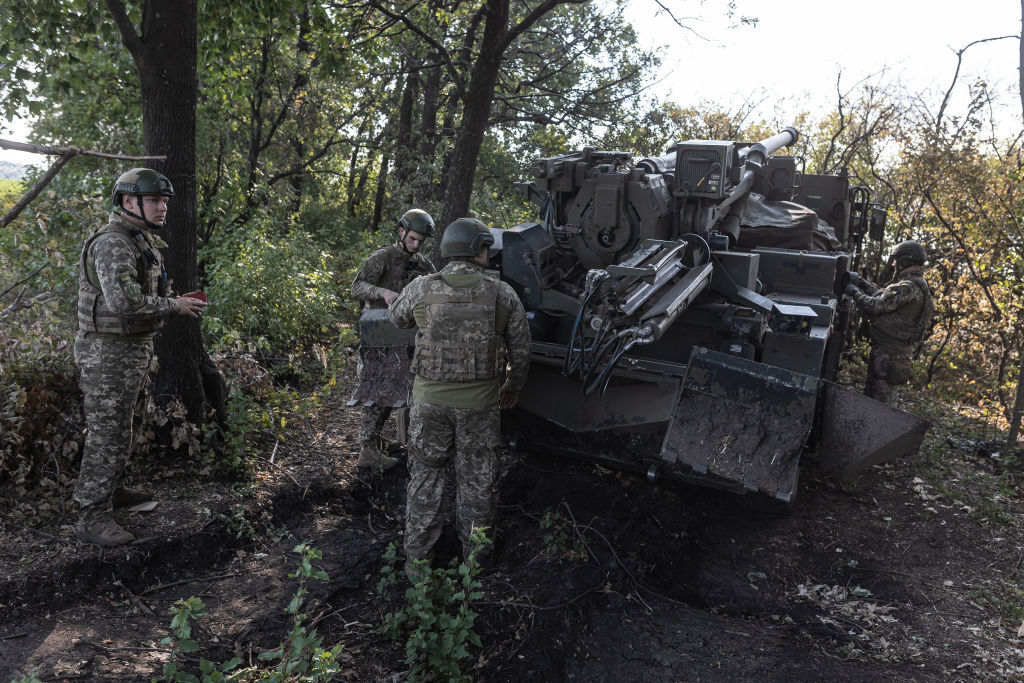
x=852, y=277
x=190, y=306
x=851, y=290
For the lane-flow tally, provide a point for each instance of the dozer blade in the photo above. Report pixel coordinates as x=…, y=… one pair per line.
x=643, y=393
x=623, y=427
x=385, y=355
x=743, y=422
x=857, y=432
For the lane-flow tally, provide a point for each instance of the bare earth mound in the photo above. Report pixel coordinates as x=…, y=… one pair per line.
x=912, y=574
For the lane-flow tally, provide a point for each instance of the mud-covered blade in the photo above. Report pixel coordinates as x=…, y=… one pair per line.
x=743, y=421
x=385, y=354
x=857, y=432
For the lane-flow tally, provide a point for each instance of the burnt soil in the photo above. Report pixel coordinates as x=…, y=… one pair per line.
x=913, y=573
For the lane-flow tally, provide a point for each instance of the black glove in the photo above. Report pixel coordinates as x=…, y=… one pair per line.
x=852, y=277
x=851, y=290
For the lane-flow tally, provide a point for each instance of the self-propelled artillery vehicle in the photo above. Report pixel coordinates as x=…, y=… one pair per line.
x=688, y=318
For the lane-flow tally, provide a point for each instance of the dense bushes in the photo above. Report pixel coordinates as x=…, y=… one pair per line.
x=277, y=296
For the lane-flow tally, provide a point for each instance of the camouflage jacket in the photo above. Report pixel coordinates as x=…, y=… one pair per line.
x=123, y=291
x=462, y=314
x=389, y=267
x=900, y=313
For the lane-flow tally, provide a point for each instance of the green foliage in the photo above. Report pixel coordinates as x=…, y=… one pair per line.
x=226, y=452
x=301, y=655
x=437, y=619
x=560, y=536
x=239, y=522
x=185, y=611
x=1006, y=597
x=30, y=678
x=38, y=272
x=277, y=291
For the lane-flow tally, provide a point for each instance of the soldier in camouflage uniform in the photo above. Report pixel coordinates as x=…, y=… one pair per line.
x=377, y=284
x=471, y=329
x=899, y=315
x=123, y=299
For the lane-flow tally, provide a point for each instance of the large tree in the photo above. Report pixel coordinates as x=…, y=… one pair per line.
x=51, y=49
x=471, y=69
x=163, y=47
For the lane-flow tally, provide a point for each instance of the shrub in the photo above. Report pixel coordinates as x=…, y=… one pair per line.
x=437, y=618
x=277, y=291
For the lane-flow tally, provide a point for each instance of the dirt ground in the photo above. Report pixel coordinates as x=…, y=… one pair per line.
x=911, y=574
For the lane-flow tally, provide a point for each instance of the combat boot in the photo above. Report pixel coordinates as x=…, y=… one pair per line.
x=102, y=530
x=371, y=459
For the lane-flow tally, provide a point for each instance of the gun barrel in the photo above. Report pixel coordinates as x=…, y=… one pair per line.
x=662, y=164
x=760, y=151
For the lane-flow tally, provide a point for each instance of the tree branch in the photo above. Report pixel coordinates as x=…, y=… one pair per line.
x=438, y=47
x=125, y=27
x=66, y=153
x=532, y=18
x=956, y=74
x=677, y=21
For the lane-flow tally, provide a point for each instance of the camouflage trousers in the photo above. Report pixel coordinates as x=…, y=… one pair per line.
x=469, y=438
x=371, y=423
x=113, y=376
x=887, y=372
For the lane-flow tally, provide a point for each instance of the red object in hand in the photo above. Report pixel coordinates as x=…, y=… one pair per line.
x=198, y=294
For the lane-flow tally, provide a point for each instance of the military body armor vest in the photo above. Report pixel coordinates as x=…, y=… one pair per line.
x=398, y=273
x=93, y=313
x=906, y=326
x=458, y=342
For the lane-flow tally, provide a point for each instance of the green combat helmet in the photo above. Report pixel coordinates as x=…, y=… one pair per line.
x=139, y=182
x=909, y=253
x=417, y=220
x=465, y=238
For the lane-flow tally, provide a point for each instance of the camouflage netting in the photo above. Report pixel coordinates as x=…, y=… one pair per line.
x=784, y=225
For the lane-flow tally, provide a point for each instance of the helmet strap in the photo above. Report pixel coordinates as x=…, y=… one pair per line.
x=142, y=211
x=402, y=234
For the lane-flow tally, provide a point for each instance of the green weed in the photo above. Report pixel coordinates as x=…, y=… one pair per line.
x=299, y=657
x=437, y=619
x=185, y=611
x=560, y=537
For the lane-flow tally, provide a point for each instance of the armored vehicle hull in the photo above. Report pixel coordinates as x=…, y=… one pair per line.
x=688, y=318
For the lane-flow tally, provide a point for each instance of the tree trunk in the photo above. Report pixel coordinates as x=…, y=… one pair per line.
x=1018, y=403
x=379, y=197
x=1018, y=407
x=298, y=181
x=404, y=152
x=476, y=111
x=1020, y=68
x=164, y=51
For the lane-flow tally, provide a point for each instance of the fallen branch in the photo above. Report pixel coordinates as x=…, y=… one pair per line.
x=19, y=527
x=281, y=470
x=135, y=600
x=164, y=586
x=65, y=154
x=103, y=648
x=26, y=303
